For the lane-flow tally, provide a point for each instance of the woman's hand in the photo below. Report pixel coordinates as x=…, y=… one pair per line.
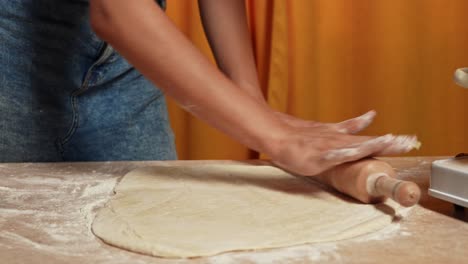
x=350, y=126
x=309, y=148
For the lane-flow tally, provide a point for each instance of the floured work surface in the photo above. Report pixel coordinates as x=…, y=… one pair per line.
x=197, y=211
x=46, y=211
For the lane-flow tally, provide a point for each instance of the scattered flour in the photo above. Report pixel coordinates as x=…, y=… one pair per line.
x=52, y=213
x=304, y=253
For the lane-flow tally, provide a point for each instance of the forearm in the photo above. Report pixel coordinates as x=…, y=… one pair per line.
x=225, y=24
x=143, y=34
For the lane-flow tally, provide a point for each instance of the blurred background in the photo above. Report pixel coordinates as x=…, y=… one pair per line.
x=330, y=60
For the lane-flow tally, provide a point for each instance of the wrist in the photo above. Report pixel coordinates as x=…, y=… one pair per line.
x=272, y=140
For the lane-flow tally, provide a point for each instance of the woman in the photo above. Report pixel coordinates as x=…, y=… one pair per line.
x=72, y=87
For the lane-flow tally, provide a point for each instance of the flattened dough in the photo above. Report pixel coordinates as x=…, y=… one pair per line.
x=195, y=211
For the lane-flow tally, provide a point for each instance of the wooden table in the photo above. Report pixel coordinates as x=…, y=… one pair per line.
x=47, y=208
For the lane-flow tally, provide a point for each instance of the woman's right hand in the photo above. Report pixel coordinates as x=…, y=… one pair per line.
x=310, y=150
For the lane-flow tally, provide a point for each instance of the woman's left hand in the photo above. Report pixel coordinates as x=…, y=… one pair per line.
x=350, y=126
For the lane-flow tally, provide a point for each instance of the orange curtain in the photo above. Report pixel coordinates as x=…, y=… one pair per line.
x=329, y=60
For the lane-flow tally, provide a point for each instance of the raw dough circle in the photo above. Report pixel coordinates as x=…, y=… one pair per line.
x=190, y=211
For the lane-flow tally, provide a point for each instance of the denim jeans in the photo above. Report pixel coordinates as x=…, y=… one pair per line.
x=65, y=95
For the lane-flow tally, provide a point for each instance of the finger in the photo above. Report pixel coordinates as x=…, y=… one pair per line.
x=358, y=151
x=357, y=124
x=401, y=144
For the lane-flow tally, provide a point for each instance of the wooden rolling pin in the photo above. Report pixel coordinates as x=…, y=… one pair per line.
x=371, y=181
